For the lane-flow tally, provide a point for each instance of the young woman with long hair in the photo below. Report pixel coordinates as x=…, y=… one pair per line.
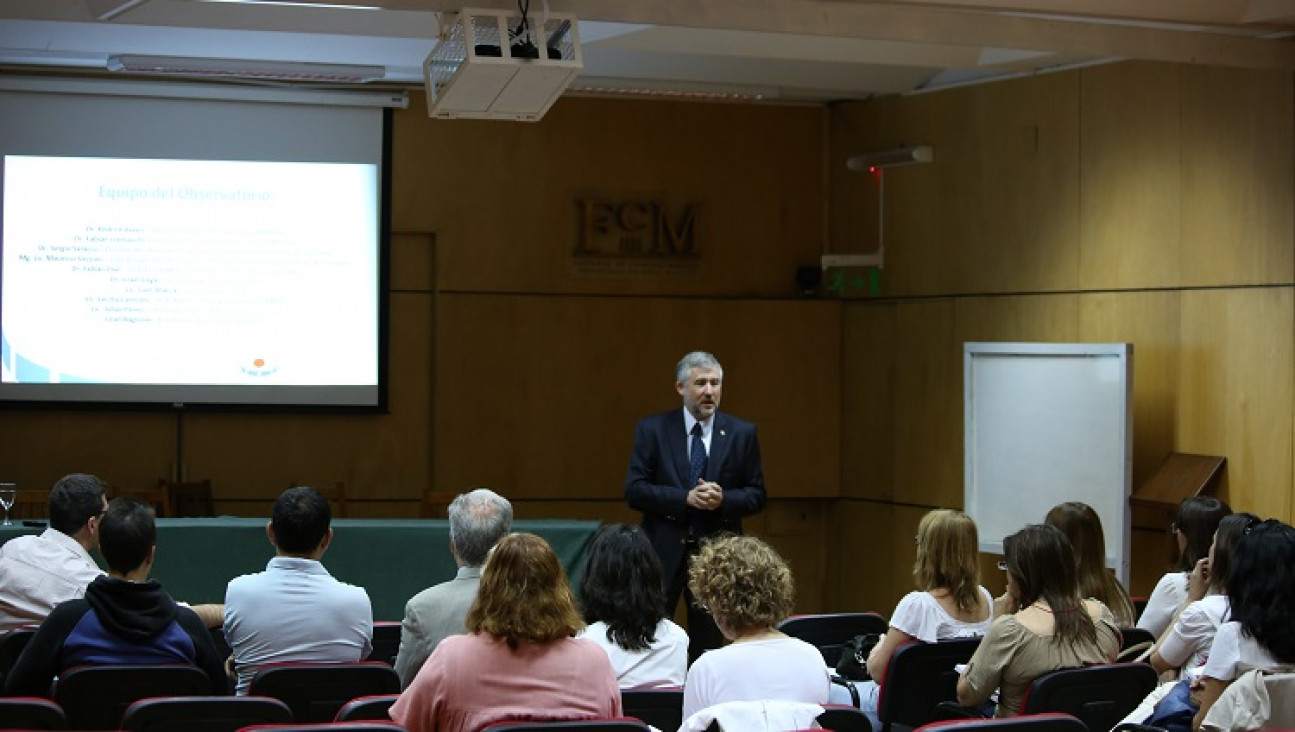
x=1083, y=527
x=1193, y=529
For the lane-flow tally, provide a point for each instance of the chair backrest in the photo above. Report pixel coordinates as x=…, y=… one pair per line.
x=316, y=691
x=919, y=677
x=203, y=713
x=611, y=724
x=327, y=727
x=372, y=707
x=830, y=632
x=1047, y=722
x=26, y=712
x=842, y=718
x=1099, y=696
x=11, y=645
x=94, y=697
x=386, y=641
x=661, y=708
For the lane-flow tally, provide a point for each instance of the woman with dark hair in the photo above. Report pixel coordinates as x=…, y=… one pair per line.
x=519, y=660
x=622, y=596
x=1260, y=632
x=1083, y=527
x=1184, y=647
x=1193, y=528
x=1052, y=627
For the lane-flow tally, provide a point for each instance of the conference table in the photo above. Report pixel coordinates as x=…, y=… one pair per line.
x=393, y=559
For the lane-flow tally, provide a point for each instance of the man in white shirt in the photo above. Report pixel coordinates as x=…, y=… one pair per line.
x=477, y=520
x=295, y=610
x=39, y=572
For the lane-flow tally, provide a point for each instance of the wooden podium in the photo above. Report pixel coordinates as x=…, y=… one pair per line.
x=1155, y=503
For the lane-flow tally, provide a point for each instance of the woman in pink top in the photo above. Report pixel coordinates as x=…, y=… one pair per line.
x=519, y=661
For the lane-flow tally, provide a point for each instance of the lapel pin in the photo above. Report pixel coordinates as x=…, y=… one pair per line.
x=722, y=433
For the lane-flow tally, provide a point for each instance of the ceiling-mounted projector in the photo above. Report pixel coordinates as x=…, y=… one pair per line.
x=501, y=64
x=889, y=158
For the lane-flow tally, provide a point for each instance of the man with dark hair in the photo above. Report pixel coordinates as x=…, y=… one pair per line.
x=124, y=618
x=39, y=572
x=295, y=610
x=477, y=520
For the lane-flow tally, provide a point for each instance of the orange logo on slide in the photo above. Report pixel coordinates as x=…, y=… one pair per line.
x=258, y=368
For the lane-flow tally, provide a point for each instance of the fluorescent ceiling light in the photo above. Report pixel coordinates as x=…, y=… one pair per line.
x=295, y=4
x=245, y=68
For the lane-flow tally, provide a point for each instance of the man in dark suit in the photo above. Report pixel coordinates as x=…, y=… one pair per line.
x=694, y=472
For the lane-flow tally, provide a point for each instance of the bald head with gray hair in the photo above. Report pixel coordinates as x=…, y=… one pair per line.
x=478, y=519
x=696, y=360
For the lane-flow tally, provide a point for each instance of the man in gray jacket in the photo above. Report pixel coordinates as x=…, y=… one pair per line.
x=478, y=519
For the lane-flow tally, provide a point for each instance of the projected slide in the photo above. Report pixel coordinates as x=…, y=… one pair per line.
x=130, y=271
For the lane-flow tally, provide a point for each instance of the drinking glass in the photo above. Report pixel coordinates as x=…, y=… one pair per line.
x=8, y=493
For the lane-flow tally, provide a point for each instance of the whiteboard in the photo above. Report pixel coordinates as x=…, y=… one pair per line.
x=1047, y=423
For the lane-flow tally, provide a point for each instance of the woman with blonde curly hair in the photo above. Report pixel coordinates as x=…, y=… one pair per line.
x=519, y=660
x=747, y=588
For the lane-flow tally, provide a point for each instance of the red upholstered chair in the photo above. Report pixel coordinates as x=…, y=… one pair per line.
x=372, y=707
x=326, y=727
x=918, y=678
x=1049, y=722
x=611, y=724
x=1098, y=696
x=661, y=708
x=829, y=632
x=203, y=713
x=11, y=645
x=94, y=697
x=316, y=691
x=386, y=641
x=29, y=712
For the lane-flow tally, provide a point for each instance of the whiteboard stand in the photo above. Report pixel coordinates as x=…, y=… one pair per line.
x=1047, y=423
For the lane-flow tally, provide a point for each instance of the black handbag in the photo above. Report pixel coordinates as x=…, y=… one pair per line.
x=853, y=664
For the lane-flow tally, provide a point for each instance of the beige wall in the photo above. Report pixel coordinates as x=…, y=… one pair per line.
x=1147, y=203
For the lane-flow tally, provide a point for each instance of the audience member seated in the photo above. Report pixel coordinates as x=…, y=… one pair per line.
x=1082, y=526
x=1193, y=529
x=748, y=588
x=519, y=660
x=477, y=520
x=1259, y=632
x=295, y=610
x=950, y=604
x=622, y=596
x=39, y=572
x=1052, y=627
x=1185, y=646
x=124, y=618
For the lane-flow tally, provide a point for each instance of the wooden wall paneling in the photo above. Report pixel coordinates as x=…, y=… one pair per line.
x=1150, y=321
x=928, y=405
x=1236, y=392
x=126, y=449
x=797, y=530
x=998, y=209
x=538, y=396
x=502, y=198
x=1130, y=176
x=877, y=551
x=1238, y=176
x=868, y=373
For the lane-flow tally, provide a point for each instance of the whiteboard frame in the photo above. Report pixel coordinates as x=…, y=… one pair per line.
x=1117, y=528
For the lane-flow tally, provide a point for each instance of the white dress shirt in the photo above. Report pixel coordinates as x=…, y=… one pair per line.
x=39, y=572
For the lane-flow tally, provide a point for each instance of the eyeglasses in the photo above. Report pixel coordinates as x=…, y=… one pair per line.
x=1002, y=565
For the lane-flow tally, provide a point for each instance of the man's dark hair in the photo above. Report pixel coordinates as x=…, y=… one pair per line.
x=75, y=499
x=300, y=519
x=126, y=534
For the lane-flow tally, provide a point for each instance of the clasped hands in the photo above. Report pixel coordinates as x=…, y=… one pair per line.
x=706, y=496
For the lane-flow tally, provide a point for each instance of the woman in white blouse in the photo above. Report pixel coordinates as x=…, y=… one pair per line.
x=1193, y=528
x=951, y=602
